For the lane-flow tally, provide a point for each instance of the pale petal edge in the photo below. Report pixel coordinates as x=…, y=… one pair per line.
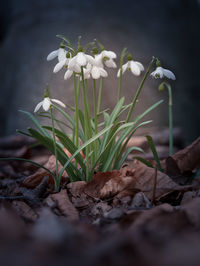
x=38, y=106
x=58, y=102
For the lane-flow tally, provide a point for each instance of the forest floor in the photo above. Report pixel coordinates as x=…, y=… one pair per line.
x=133, y=216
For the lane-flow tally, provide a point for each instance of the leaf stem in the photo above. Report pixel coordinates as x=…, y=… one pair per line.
x=57, y=180
x=139, y=90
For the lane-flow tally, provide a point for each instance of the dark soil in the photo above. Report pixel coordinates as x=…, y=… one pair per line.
x=134, y=216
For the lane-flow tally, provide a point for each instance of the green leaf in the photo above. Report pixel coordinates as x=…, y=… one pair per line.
x=147, y=163
x=139, y=117
x=69, y=145
x=68, y=117
x=36, y=123
x=23, y=133
x=124, y=157
x=85, y=145
x=29, y=161
x=155, y=154
x=61, y=155
x=120, y=152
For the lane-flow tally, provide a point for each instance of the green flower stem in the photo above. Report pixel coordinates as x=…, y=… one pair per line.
x=170, y=120
x=57, y=179
x=139, y=90
x=123, y=54
x=99, y=95
x=85, y=123
x=95, y=118
x=119, y=85
x=76, y=111
x=91, y=146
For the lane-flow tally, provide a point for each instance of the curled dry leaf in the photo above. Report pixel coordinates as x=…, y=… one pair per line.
x=65, y=205
x=76, y=188
x=34, y=180
x=79, y=198
x=135, y=176
x=189, y=158
x=108, y=184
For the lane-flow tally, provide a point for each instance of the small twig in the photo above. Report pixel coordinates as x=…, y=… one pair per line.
x=11, y=197
x=155, y=184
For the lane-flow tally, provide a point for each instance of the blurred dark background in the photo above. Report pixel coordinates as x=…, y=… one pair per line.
x=166, y=29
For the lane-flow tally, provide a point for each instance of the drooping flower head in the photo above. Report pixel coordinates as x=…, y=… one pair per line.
x=134, y=66
x=47, y=102
x=161, y=72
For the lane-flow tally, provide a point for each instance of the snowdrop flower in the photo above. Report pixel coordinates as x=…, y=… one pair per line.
x=46, y=103
x=81, y=59
x=161, y=72
x=134, y=66
x=107, y=57
x=63, y=58
x=97, y=69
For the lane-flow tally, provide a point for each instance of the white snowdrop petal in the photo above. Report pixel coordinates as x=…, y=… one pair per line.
x=61, y=54
x=81, y=59
x=77, y=68
x=46, y=104
x=140, y=65
x=72, y=62
x=103, y=72
x=158, y=73
x=109, y=54
x=169, y=74
x=95, y=72
x=58, y=66
x=90, y=59
x=110, y=63
x=124, y=67
x=134, y=68
x=58, y=102
x=68, y=74
x=118, y=73
x=52, y=55
x=38, y=106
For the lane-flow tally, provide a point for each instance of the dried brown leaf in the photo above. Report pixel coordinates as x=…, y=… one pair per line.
x=65, y=205
x=76, y=188
x=24, y=210
x=108, y=184
x=34, y=180
x=189, y=158
x=136, y=176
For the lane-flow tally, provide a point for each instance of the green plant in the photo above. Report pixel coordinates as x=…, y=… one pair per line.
x=98, y=138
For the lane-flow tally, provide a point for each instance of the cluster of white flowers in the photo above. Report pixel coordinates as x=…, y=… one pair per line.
x=92, y=66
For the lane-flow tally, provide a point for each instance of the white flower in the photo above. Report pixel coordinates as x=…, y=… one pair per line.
x=134, y=66
x=62, y=59
x=109, y=56
x=160, y=72
x=46, y=103
x=97, y=72
x=81, y=59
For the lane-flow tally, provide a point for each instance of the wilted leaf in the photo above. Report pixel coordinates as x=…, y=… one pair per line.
x=65, y=205
x=76, y=188
x=34, y=180
x=79, y=198
x=189, y=158
x=135, y=176
x=108, y=184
